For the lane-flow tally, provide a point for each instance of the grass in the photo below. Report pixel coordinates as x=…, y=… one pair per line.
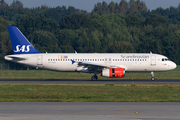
x=29, y=92
x=109, y=92
x=45, y=74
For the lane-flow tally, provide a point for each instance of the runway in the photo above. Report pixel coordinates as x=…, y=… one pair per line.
x=145, y=81
x=89, y=111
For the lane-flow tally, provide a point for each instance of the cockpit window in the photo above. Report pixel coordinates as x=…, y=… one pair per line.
x=165, y=59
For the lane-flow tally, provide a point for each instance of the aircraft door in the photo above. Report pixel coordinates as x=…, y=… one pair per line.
x=153, y=60
x=40, y=60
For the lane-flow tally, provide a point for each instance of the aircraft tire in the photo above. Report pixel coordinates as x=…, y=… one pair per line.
x=152, y=78
x=94, y=78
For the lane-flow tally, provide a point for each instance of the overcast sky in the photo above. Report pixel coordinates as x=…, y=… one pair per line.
x=89, y=4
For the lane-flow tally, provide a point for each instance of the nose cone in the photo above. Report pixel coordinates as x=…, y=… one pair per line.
x=173, y=65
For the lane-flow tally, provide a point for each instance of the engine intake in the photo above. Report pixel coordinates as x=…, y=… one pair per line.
x=113, y=72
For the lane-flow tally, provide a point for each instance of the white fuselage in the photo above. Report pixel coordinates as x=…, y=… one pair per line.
x=132, y=62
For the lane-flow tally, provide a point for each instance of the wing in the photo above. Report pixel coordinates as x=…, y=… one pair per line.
x=93, y=66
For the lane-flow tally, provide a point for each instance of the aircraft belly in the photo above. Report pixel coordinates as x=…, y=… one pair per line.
x=140, y=66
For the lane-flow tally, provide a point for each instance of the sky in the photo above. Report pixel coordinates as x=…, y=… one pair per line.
x=89, y=4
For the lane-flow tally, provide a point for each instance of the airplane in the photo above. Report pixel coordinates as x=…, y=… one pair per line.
x=110, y=65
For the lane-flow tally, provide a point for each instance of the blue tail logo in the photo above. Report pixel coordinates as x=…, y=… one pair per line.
x=19, y=42
x=23, y=48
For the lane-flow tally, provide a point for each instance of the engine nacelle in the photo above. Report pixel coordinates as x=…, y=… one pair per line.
x=113, y=72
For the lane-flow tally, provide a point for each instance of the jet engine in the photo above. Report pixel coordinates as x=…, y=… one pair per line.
x=113, y=72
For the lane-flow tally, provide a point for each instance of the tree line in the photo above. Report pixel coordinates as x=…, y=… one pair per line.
x=124, y=27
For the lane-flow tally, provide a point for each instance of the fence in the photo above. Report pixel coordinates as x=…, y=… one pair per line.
x=13, y=66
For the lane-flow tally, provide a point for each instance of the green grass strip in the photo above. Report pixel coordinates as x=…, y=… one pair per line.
x=29, y=92
x=45, y=74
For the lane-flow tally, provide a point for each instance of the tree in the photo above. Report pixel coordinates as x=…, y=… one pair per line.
x=3, y=4
x=122, y=8
x=179, y=7
x=112, y=7
x=156, y=20
x=137, y=6
x=120, y=47
x=44, y=41
x=75, y=21
x=133, y=20
x=16, y=4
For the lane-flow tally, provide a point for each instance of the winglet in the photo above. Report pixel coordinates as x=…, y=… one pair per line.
x=73, y=61
x=19, y=42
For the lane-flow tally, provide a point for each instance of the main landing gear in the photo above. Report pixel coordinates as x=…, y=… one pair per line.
x=94, y=78
x=152, y=76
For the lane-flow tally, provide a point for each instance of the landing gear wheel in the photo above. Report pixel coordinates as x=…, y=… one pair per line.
x=152, y=78
x=94, y=78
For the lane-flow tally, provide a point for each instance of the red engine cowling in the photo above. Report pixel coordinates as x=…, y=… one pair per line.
x=113, y=72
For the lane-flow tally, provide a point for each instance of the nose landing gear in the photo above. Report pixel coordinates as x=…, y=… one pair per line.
x=152, y=76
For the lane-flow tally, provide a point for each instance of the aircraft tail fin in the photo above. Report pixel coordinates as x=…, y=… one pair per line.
x=19, y=42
